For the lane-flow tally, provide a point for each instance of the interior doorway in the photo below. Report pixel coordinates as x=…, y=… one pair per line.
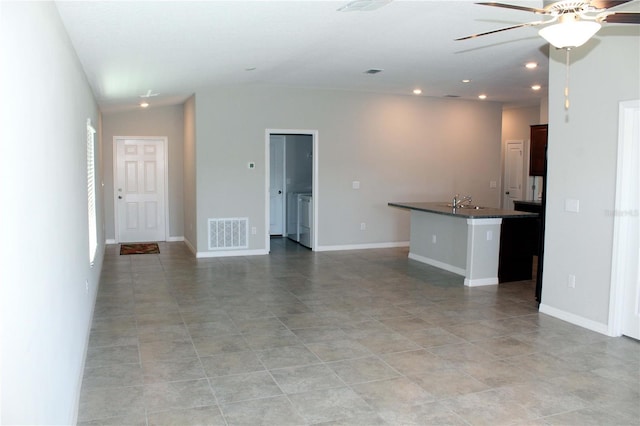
x=292, y=181
x=624, y=307
x=513, y=165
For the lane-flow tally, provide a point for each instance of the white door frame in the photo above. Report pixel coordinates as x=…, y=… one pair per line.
x=622, y=255
x=283, y=185
x=314, y=183
x=165, y=145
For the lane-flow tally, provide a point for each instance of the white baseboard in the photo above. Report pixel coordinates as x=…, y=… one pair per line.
x=110, y=241
x=575, y=319
x=231, y=253
x=481, y=281
x=438, y=264
x=363, y=246
x=191, y=248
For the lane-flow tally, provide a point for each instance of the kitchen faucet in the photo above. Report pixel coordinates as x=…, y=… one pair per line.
x=457, y=201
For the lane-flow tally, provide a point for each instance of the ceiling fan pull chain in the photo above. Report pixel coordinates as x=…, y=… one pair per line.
x=566, y=87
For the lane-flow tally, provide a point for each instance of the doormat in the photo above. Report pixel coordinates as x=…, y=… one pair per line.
x=139, y=248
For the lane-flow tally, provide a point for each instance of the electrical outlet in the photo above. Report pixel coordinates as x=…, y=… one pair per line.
x=363, y=226
x=571, y=281
x=254, y=230
x=86, y=286
x=489, y=235
x=434, y=239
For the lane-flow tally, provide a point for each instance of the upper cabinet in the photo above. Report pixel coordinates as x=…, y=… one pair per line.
x=537, y=151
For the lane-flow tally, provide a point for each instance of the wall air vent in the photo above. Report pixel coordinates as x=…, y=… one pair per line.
x=373, y=71
x=451, y=96
x=231, y=233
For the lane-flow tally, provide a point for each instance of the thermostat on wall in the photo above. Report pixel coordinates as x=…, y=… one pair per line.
x=251, y=165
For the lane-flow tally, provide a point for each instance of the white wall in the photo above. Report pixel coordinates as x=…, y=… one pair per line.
x=154, y=121
x=400, y=148
x=189, y=170
x=46, y=311
x=582, y=157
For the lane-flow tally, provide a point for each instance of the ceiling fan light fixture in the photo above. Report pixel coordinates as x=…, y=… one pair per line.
x=569, y=34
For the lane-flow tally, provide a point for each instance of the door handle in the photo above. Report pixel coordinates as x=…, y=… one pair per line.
x=507, y=192
x=279, y=192
x=119, y=197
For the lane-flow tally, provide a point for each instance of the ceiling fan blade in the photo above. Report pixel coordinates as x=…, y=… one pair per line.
x=527, y=24
x=513, y=6
x=607, y=4
x=622, y=18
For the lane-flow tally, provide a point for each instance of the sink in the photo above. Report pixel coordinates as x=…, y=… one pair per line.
x=465, y=206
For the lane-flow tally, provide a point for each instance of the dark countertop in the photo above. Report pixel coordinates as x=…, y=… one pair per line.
x=529, y=202
x=484, y=213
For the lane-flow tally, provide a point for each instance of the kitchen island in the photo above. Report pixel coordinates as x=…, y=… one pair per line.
x=465, y=241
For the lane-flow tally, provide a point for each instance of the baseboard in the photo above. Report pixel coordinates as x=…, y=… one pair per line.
x=230, y=253
x=110, y=241
x=174, y=239
x=575, y=319
x=363, y=246
x=481, y=282
x=438, y=264
x=191, y=248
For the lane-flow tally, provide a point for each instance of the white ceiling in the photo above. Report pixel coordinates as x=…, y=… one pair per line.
x=174, y=48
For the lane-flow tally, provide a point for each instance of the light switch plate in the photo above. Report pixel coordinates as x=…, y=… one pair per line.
x=355, y=184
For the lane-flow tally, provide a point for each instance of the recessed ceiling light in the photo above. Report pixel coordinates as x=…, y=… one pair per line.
x=144, y=104
x=531, y=65
x=483, y=96
x=466, y=80
x=536, y=87
x=417, y=91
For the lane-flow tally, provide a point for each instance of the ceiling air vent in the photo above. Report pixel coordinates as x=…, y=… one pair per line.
x=451, y=96
x=373, y=71
x=363, y=5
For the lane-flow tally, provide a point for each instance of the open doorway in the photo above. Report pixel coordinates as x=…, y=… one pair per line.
x=291, y=192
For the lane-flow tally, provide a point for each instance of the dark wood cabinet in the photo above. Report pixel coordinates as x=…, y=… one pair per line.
x=537, y=151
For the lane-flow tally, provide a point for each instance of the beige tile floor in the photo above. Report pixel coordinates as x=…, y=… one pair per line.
x=339, y=338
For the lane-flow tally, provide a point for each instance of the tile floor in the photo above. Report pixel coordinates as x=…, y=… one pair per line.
x=339, y=338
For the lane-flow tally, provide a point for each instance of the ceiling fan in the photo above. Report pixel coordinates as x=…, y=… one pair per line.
x=575, y=21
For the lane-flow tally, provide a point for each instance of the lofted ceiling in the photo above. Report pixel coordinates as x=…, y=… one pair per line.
x=133, y=48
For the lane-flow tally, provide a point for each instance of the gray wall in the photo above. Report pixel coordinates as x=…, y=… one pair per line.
x=582, y=165
x=48, y=288
x=154, y=121
x=400, y=148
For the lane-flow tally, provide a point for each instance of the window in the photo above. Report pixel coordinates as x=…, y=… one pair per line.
x=91, y=192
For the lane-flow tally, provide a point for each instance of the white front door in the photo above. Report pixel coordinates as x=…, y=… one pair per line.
x=140, y=189
x=276, y=186
x=513, y=165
